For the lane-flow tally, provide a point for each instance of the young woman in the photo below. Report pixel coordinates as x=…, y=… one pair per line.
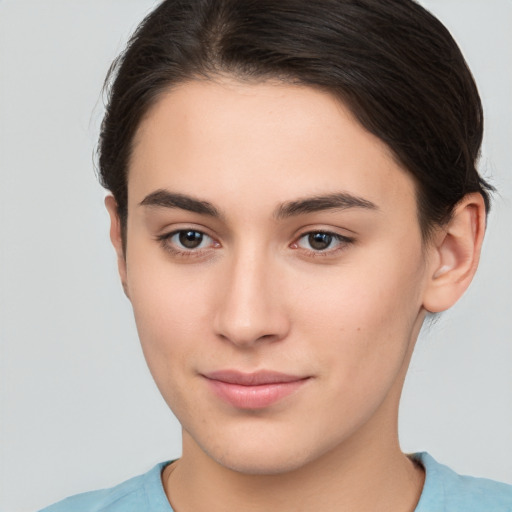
x=293, y=191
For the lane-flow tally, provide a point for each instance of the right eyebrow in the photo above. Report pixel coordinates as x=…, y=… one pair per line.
x=164, y=199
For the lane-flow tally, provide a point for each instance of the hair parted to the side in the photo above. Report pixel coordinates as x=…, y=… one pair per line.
x=393, y=64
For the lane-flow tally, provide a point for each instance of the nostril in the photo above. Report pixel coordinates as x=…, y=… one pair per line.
x=248, y=310
x=262, y=327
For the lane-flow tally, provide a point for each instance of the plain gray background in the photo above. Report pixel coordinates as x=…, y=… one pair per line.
x=78, y=407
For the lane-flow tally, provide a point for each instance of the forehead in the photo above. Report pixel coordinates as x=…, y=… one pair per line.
x=266, y=142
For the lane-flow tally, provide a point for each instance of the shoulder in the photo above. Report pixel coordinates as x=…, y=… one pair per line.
x=138, y=494
x=448, y=491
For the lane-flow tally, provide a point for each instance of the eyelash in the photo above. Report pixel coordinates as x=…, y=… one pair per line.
x=342, y=243
x=166, y=242
x=341, y=240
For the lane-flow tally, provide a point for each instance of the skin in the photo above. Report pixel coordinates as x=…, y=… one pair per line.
x=257, y=295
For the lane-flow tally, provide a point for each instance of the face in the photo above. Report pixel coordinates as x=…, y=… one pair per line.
x=276, y=269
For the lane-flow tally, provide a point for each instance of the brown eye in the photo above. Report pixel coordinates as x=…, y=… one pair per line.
x=320, y=241
x=323, y=242
x=190, y=239
x=186, y=241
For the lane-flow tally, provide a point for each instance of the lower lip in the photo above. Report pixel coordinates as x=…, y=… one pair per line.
x=254, y=397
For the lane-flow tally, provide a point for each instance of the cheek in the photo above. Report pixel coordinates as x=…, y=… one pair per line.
x=169, y=316
x=364, y=319
x=170, y=313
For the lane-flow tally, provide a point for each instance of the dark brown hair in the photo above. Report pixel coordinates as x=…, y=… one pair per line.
x=390, y=61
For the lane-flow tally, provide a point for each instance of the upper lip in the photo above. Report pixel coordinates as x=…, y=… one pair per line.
x=252, y=379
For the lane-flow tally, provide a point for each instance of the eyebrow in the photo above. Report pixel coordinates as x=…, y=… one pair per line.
x=338, y=201
x=165, y=199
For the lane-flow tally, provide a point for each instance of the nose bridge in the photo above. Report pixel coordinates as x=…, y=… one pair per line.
x=250, y=310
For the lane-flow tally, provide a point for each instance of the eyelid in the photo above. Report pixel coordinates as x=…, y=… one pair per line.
x=171, y=229
x=165, y=241
x=343, y=242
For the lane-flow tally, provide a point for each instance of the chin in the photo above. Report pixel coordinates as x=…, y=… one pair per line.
x=259, y=464
x=263, y=454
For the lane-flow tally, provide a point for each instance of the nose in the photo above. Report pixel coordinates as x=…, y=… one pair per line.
x=251, y=302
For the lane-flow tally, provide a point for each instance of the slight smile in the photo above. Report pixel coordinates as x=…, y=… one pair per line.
x=253, y=390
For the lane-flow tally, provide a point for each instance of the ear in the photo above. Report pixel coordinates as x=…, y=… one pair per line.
x=117, y=240
x=455, y=254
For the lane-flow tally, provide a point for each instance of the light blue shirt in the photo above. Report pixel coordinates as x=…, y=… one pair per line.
x=444, y=491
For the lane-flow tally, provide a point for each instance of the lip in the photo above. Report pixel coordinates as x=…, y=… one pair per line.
x=256, y=390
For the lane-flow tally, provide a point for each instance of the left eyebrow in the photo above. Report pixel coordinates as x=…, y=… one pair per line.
x=338, y=201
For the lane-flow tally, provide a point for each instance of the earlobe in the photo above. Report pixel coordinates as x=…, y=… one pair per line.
x=117, y=240
x=456, y=254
